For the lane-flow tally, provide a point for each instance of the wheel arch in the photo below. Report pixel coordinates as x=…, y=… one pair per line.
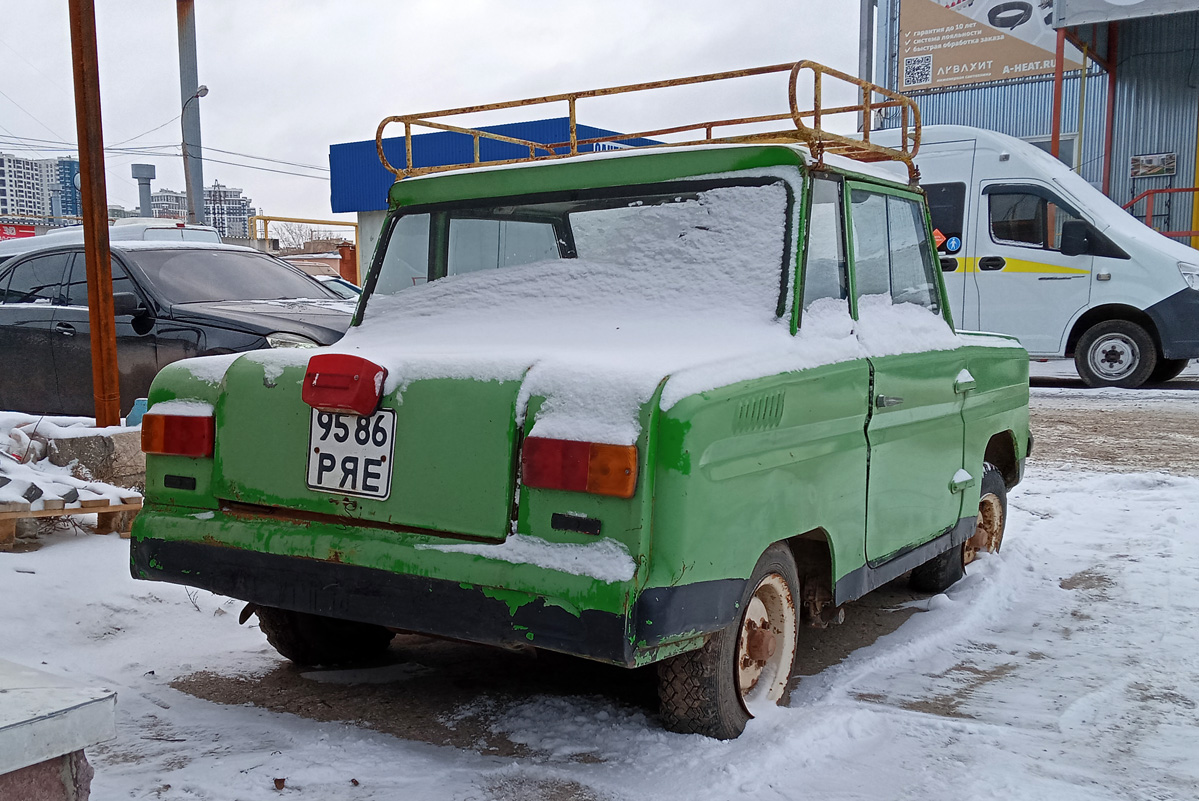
x=1001, y=451
x=1112, y=311
x=813, y=553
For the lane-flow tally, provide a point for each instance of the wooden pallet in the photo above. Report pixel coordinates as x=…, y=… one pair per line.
x=110, y=517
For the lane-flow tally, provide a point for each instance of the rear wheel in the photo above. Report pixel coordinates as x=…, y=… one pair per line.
x=710, y=691
x=1168, y=369
x=942, y=572
x=1115, y=353
x=311, y=640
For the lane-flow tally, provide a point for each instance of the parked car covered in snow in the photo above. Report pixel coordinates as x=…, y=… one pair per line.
x=657, y=406
x=172, y=300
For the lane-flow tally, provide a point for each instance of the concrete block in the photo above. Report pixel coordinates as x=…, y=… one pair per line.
x=64, y=778
x=112, y=458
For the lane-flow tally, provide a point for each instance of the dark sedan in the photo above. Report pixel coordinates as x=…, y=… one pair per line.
x=172, y=301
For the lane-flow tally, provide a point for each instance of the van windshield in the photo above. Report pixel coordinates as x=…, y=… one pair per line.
x=683, y=239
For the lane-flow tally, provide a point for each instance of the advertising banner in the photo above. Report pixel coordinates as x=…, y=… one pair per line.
x=952, y=42
x=15, y=231
x=1085, y=12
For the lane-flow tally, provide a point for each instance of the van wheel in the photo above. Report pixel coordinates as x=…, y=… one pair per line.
x=1168, y=369
x=709, y=691
x=1115, y=353
x=311, y=640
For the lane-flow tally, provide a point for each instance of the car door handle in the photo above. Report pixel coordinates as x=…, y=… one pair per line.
x=66, y=329
x=882, y=401
x=949, y=264
x=991, y=263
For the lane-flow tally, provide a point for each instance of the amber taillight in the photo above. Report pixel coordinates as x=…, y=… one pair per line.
x=579, y=466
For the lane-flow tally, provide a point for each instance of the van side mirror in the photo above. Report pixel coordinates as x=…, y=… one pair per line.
x=1076, y=238
x=126, y=304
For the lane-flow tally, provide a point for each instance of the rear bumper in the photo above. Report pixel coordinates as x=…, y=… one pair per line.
x=1177, y=321
x=663, y=621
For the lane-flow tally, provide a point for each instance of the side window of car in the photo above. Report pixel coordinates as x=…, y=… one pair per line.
x=825, y=268
x=76, y=287
x=406, y=262
x=892, y=253
x=1027, y=220
x=38, y=280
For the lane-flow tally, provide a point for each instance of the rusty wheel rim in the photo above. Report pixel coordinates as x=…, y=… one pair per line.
x=766, y=641
x=988, y=530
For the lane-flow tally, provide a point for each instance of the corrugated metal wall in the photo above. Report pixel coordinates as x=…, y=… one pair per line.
x=1157, y=110
x=1157, y=106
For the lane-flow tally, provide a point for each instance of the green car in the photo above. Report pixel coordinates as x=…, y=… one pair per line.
x=655, y=406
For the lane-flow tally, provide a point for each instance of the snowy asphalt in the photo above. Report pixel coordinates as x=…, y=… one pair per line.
x=1062, y=668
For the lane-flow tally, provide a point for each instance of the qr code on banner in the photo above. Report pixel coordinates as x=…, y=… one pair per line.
x=917, y=70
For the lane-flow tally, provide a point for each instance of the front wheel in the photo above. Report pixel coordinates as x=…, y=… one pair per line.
x=1115, y=353
x=710, y=691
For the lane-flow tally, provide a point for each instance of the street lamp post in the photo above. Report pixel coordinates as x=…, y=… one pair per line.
x=187, y=173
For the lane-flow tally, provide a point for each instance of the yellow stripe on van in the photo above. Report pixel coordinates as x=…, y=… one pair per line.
x=1022, y=266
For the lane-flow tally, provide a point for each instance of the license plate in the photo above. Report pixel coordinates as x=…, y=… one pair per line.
x=351, y=455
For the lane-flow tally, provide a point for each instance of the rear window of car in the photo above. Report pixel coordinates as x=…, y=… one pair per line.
x=187, y=275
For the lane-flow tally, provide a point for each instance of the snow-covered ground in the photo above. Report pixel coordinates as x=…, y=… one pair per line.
x=1063, y=668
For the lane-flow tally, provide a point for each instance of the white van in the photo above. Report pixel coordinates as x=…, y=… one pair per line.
x=129, y=228
x=1033, y=250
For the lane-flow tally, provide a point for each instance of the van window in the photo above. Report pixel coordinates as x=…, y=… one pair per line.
x=1027, y=220
x=947, y=207
x=481, y=244
x=825, y=270
x=892, y=253
x=37, y=280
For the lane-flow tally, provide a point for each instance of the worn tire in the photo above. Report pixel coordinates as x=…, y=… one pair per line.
x=700, y=690
x=1115, y=353
x=312, y=640
x=1167, y=370
x=942, y=572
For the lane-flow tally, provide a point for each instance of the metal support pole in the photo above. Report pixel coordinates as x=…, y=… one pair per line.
x=1055, y=142
x=866, y=54
x=189, y=86
x=1110, y=124
x=105, y=387
x=1082, y=111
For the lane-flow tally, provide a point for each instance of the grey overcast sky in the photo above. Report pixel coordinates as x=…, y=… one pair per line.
x=288, y=79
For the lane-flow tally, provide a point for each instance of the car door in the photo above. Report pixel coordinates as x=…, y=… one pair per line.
x=29, y=290
x=1026, y=286
x=915, y=431
x=137, y=357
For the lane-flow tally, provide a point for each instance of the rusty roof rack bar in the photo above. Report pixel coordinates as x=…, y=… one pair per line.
x=818, y=139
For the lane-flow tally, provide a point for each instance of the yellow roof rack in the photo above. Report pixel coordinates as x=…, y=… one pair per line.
x=813, y=134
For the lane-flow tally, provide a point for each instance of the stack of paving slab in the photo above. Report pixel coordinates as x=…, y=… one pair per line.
x=49, y=466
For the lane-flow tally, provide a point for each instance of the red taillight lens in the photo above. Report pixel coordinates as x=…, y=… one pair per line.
x=339, y=382
x=178, y=435
x=579, y=466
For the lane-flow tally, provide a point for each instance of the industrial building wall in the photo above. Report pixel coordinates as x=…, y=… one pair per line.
x=1157, y=106
x=1157, y=110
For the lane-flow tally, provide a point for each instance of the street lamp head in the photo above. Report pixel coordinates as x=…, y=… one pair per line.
x=202, y=92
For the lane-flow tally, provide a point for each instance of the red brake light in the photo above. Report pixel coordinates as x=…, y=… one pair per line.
x=340, y=382
x=579, y=466
x=178, y=435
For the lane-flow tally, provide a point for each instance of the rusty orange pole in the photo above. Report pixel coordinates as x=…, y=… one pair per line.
x=105, y=388
x=1055, y=143
x=1111, y=107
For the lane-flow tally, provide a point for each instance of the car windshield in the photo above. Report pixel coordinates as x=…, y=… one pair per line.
x=188, y=275
x=675, y=244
